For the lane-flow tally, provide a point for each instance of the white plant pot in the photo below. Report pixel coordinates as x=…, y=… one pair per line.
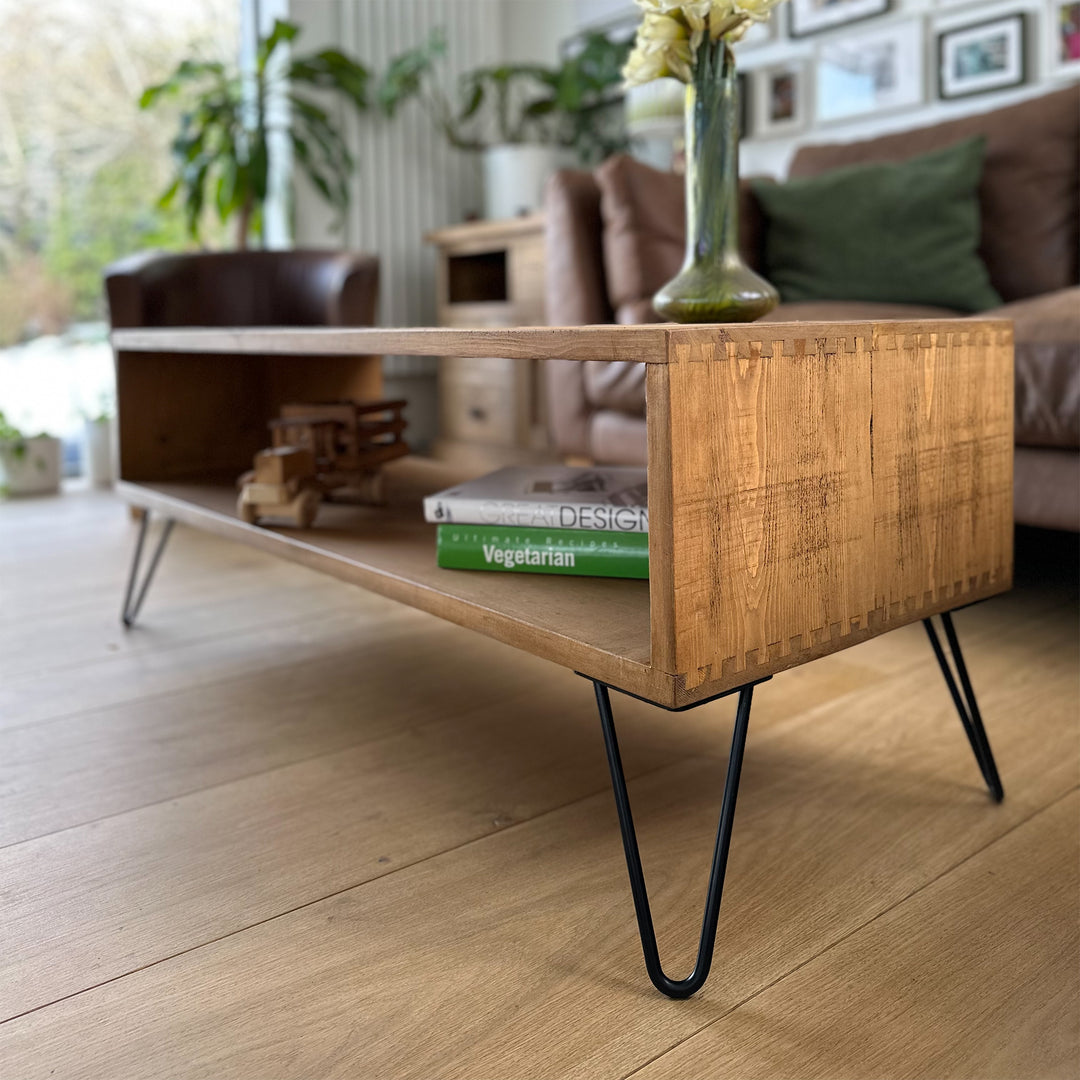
x=98, y=443
x=30, y=466
x=514, y=178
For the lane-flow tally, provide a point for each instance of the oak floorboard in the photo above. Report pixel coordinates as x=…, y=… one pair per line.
x=949, y=983
x=515, y=954
x=216, y=608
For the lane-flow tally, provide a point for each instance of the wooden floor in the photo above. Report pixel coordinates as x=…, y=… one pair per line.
x=245, y=841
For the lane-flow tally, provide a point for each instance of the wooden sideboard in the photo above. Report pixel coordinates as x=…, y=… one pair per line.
x=490, y=275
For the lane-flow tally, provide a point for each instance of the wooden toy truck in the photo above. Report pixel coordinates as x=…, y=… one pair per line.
x=319, y=449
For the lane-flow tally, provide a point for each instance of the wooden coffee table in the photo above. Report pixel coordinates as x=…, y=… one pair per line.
x=811, y=485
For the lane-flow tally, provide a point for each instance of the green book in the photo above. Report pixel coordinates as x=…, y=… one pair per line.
x=587, y=553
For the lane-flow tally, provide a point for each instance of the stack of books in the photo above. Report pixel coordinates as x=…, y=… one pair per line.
x=549, y=519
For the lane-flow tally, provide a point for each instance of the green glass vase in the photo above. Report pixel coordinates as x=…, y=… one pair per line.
x=714, y=284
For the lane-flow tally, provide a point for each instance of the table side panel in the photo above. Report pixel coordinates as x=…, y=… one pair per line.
x=828, y=487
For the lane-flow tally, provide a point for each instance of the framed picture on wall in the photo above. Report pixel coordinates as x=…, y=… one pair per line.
x=869, y=72
x=814, y=16
x=782, y=97
x=1064, y=37
x=982, y=57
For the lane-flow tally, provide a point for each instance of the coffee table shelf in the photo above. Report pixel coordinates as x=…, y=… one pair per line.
x=594, y=623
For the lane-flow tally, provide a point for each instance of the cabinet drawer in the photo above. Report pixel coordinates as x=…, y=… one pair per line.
x=488, y=369
x=474, y=410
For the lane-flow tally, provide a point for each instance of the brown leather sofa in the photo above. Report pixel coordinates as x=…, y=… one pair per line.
x=243, y=288
x=614, y=237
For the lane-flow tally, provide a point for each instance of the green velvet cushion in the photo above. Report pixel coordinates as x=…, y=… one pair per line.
x=906, y=233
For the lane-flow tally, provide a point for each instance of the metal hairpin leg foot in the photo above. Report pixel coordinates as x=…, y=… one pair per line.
x=965, y=702
x=676, y=988
x=132, y=606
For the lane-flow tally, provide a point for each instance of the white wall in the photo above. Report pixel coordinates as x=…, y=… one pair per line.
x=771, y=155
x=533, y=29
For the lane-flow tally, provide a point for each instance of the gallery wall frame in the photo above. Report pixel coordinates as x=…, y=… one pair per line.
x=876, y=70
x=783, y=97
x=808, y=17
x=1063, y=37
x=983, y=57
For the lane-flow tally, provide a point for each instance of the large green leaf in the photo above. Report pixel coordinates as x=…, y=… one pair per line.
x=333, y=70
x=220, y=148
x=404, y=77
x=282, y=32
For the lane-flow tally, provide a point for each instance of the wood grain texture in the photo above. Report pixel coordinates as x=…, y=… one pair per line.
x=832, y=484
x=596, y=625
x=917, y=1000
x=477, y=962
x=484, y=233
x=645, y=343
x=814, y=484
x=514, y=954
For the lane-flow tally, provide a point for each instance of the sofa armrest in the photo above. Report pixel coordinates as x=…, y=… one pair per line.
x=129, y=282
x=575, y=295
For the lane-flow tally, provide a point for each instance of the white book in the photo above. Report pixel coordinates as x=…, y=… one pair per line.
x=606, y=498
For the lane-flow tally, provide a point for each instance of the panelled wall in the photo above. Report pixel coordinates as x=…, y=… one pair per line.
x=408, y=179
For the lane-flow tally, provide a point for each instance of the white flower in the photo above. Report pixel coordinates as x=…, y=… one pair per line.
x=655, y=59
x=662, y=28
x=672, y=31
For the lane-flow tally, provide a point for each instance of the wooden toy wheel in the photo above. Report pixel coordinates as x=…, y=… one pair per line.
x=309, y=507
x=246, y=512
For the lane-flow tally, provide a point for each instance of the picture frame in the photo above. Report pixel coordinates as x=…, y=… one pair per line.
x=982, y=57
x=806, y=17
x=782, y=95
x=1063, y=33
x=873, y=71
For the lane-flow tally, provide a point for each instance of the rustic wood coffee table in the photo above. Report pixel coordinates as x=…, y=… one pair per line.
x=811, y=485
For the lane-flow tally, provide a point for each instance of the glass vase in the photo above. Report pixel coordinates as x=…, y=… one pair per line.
x=714, y=284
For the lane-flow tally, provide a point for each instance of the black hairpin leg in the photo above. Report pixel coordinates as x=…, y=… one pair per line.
x=965, y=702
x=133, y=600
x=676, y=988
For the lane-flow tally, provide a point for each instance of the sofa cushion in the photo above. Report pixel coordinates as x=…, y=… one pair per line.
x=618, y=439
x=1046, y=488
x=1029, y=191
x=1047, y=335
x=645, y=232
x=901, y=233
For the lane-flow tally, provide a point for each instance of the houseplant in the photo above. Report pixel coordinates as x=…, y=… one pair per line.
x=691, y=41
x=29, y=464
x=525, y=119
x=229, y=120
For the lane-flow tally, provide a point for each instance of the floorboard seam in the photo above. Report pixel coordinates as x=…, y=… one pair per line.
x=340, y=892
x=851, y=933
x=315, y=617
x=241, y=778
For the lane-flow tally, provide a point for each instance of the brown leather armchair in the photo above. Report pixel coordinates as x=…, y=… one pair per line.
x=243, y=288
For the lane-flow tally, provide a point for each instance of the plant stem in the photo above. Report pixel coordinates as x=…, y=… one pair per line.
x=244, y=223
